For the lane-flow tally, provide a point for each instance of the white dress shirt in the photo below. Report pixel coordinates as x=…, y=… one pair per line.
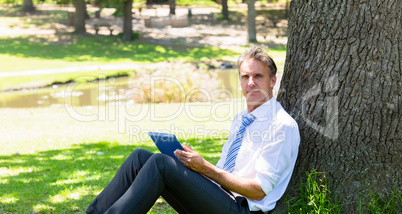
x=268, y=152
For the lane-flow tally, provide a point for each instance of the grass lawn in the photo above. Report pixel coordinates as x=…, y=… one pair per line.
x=67, y=180
x=54, y=162
x=31, y=52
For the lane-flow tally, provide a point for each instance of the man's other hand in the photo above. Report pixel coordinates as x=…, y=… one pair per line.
x=191, y=159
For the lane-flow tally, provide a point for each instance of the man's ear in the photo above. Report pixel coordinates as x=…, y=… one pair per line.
x=273, y=81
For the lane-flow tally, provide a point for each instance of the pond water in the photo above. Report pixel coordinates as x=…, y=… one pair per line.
x=110, y=90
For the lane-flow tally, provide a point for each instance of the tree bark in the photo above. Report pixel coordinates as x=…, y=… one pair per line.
x=80, y=14
x=225, y=9
x=251, y=14
x=172, y=7
x=127, y=20
x=28, y=6
x=342, y=83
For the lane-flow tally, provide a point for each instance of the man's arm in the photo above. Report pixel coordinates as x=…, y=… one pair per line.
x=244, y=186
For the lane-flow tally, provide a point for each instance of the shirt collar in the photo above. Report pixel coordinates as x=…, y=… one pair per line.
x=263, y=111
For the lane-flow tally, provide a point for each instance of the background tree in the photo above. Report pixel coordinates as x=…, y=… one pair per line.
x=127, y=20
x=251, y=14
x=123, y=8
x=80, y=16
x=172, y=6
x=28, y=6
x=342, y=83
x=225, y=9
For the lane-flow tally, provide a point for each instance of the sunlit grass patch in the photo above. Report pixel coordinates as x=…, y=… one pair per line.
x=8, y=199
x=61, y=157
x=74, y=180
x=69, y=193
x=12, y=171
x=43, y=208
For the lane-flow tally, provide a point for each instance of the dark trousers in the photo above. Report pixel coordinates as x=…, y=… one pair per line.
x=145, y=176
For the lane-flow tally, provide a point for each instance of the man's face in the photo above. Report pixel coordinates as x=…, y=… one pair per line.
x=256, y=83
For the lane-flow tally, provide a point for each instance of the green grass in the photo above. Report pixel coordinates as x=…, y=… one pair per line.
x=67, y=180
x=378, y=204
x=50, y=160
x=42, y=53
x=32, y=81
x=315, y=196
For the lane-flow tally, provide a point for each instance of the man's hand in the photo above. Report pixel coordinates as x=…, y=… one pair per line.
x=191, y=159
x=244, y=186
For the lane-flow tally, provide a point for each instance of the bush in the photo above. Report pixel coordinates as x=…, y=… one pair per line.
x=136, y=35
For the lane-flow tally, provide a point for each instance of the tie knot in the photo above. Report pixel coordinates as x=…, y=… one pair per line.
x=247, y=120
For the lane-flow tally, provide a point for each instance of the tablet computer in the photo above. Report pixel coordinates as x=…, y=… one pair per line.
x=166, y=143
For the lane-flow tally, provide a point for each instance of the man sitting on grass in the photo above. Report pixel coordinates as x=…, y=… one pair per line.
x=252, y=174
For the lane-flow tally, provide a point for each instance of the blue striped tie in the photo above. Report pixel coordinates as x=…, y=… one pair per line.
x=235, y=146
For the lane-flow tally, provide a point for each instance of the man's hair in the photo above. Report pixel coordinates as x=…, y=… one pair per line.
x=260, y=55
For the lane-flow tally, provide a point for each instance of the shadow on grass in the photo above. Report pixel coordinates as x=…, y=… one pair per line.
x=102, y=49
x=66, y=181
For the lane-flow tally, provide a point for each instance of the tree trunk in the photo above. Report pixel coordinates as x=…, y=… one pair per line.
x=225, y=9
x=172, y=6
x=86, y=12
x=127, y=20
x=80, y=13
x=28, y=6
x=342, y=83
x=251, y=14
